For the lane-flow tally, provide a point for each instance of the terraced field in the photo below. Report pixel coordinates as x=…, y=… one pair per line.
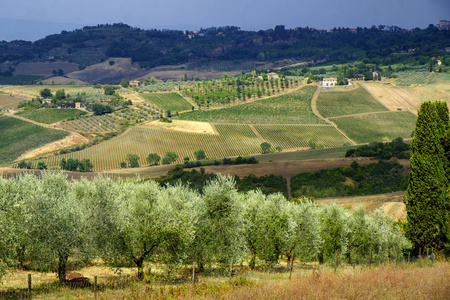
x=368, y=128
x=292, y=108
x=298, y=136
x=232, y=140
x=333, y=103
x=168, y=101
x=414, y=78
x=50, y=116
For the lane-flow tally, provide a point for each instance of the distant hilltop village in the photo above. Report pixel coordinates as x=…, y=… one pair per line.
x=443, y=24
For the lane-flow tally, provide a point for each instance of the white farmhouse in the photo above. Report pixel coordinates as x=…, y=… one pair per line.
x=331, y=81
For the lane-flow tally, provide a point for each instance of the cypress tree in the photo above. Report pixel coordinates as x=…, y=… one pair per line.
x=427, y=195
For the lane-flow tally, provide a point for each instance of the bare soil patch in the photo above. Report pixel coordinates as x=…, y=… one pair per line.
x=71, y=140
x=183, y=126
x=286, y=169
x=62, y=80
x=106, y=73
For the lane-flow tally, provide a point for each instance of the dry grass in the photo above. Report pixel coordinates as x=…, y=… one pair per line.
x=421, y=280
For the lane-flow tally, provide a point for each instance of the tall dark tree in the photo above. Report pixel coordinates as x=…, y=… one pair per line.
x=427, y=201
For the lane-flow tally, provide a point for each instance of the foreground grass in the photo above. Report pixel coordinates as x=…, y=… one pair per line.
x=50, y=116
x=422, y=280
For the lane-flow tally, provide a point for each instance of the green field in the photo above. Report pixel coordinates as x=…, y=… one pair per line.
x=292, y=108
x=92, y=124
x=232, y=140
x=19, y=79
x=298, y=136
x=377, y=127
x=411, y=78
x=50, y=116
x=19, y=136
x=333, y=103
x=168, y=101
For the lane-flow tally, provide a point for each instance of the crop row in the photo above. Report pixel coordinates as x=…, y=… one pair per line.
x=333, y=103
x=105, y=123
x=410, y=78
x=167, y=101
x=292, y=108
x=377, y=127
x=232, y=140
x=299, y=136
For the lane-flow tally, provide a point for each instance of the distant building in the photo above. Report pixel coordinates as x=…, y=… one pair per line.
x=47, y=101
x=359, y=77
x=331, y=81
x=443, y=24
x=322, y=30
x=447, y=49
x=353, y=30
x=135, y=83
x=272, y=76
x=77, y=105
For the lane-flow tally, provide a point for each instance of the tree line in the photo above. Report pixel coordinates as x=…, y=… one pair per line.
x=48, y=219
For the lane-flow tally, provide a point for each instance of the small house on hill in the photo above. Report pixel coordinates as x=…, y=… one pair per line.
x=331, y=81
x=77, y=105
x=272, y=76
x=47, y=101
x=135, y=83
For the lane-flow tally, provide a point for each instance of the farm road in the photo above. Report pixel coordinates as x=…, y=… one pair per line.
x=317, y=113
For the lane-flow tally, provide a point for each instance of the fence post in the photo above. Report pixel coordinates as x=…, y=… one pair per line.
x=95, y=287
x=29, y=286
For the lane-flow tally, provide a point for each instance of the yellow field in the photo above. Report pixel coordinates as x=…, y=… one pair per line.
x=32, y=91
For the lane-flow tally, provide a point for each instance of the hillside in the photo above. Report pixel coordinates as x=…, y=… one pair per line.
x=223, y=49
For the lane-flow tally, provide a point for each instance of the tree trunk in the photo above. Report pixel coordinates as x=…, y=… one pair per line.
x=62, y=265
x=140, y=266
x=252, y=262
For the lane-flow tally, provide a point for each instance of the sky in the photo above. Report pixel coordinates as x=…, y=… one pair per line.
x=34, y=19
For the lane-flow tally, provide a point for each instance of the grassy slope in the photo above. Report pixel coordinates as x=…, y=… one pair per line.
x=168, y=101
x=377, y=127
x=18, y=136
x=50, y=116
x=333, y=103
x=292, y=108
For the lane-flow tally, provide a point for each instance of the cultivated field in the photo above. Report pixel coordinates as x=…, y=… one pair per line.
x=394, y=98
x=32, y=91
x=292, y=108
x=415, y=78
x=19, y=136
x=333, y=103
x=7, y=102
x=386, y=126
x=168, y=101
x=232, y=140
x=91, y=124
x=44, y=68
x=50, y=116
x=298, y=136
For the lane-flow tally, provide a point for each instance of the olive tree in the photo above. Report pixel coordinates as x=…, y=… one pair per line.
x=304, y=236
x=266, y=220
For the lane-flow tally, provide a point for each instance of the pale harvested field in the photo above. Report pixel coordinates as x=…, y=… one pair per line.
x=62, y=80
x=392, y=203
x=394, y=98
x=8, y=102
x=32, y=91
x=183, y=126
x=71, y=140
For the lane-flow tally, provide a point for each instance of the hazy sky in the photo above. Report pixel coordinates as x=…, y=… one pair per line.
x=19, y=18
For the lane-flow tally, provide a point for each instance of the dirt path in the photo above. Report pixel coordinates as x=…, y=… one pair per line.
x=252, y=127
x=317, y=113
x=362, y=114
